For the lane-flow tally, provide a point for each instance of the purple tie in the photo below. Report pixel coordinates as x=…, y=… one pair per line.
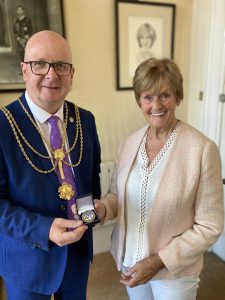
x=56, y=143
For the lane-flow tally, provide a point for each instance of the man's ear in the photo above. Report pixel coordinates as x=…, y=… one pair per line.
x=23, y=69
x=72, y=72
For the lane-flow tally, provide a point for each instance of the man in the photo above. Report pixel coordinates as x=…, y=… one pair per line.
x=22, y=29
x=42, y=252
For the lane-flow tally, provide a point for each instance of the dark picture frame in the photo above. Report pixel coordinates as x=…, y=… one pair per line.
x=19, y=19
x=143, y=30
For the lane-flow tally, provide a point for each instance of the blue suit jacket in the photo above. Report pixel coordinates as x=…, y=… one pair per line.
x=29, y=202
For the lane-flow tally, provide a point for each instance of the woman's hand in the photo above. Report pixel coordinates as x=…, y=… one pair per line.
x=100, y=208
x=143, y=271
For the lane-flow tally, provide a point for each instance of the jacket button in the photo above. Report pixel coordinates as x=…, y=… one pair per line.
x=63, y=207
x=34, y=245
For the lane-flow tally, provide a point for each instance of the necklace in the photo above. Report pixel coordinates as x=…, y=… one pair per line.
x=39, y=131
x=58, y=155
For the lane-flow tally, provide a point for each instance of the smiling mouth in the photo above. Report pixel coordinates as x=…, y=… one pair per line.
x=51, y=87
x=158, y=114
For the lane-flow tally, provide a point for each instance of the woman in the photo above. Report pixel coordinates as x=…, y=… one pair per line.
x=146, y=36
x=166, y=193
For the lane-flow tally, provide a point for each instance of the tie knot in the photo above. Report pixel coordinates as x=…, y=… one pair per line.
x=55, y=135
x=53, y=120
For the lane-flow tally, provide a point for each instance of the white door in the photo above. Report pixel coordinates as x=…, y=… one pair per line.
x=214, y=119
x=208, y=76
x=222, y=133
x=219, y=247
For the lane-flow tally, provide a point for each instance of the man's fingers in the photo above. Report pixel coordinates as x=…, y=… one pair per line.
x=78, y=232
x=64, y=232
x=72, y=236
x=72, y=223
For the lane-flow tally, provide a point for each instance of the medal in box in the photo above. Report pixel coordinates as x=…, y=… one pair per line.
x=86, y=210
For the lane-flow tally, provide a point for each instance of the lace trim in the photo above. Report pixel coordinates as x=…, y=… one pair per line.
x=147, y=169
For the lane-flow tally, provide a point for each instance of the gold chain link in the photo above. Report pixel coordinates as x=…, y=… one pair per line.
x=21, y=146
x=15, y=129
x=39, y=131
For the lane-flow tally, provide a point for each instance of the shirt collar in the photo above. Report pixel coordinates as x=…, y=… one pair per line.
x=40, y=114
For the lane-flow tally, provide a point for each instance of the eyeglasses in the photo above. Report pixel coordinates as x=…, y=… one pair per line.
x=43, y=67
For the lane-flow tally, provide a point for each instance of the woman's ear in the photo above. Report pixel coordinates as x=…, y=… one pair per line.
x=178, y=102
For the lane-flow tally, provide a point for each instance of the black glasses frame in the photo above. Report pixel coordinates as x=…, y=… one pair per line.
x=49, y=66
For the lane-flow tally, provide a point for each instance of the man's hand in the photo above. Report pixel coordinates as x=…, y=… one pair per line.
x=64, y=232
x=143, y=271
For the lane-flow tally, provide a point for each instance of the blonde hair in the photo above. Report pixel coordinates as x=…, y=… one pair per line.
x=152, y=74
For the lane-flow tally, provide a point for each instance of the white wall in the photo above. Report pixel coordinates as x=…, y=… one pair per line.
x=90, y=29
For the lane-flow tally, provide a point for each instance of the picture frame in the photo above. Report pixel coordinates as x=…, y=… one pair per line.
x=19, y=19
x=143, y=30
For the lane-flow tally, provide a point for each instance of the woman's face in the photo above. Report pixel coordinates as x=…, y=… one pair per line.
x=159, y=110
x=146, y=40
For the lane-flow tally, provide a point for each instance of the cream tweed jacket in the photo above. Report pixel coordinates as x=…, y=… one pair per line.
x=187, y=213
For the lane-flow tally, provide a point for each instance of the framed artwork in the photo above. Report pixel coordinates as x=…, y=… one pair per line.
x=143, y=30
x=19, y=19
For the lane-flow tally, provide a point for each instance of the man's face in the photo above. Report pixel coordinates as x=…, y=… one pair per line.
x=20, y=11
x=47, y=90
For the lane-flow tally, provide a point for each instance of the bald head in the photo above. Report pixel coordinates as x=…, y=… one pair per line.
x=46, y=42
x=47, y=90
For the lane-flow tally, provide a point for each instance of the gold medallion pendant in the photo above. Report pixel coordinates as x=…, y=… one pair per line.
x=59, y=154
x=66, y=191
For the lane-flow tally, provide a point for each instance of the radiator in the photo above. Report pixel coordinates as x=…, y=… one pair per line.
x=106, y=175
x=102, y=234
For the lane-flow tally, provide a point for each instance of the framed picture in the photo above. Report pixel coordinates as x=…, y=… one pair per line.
x=19, y=19
x=143, y=30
